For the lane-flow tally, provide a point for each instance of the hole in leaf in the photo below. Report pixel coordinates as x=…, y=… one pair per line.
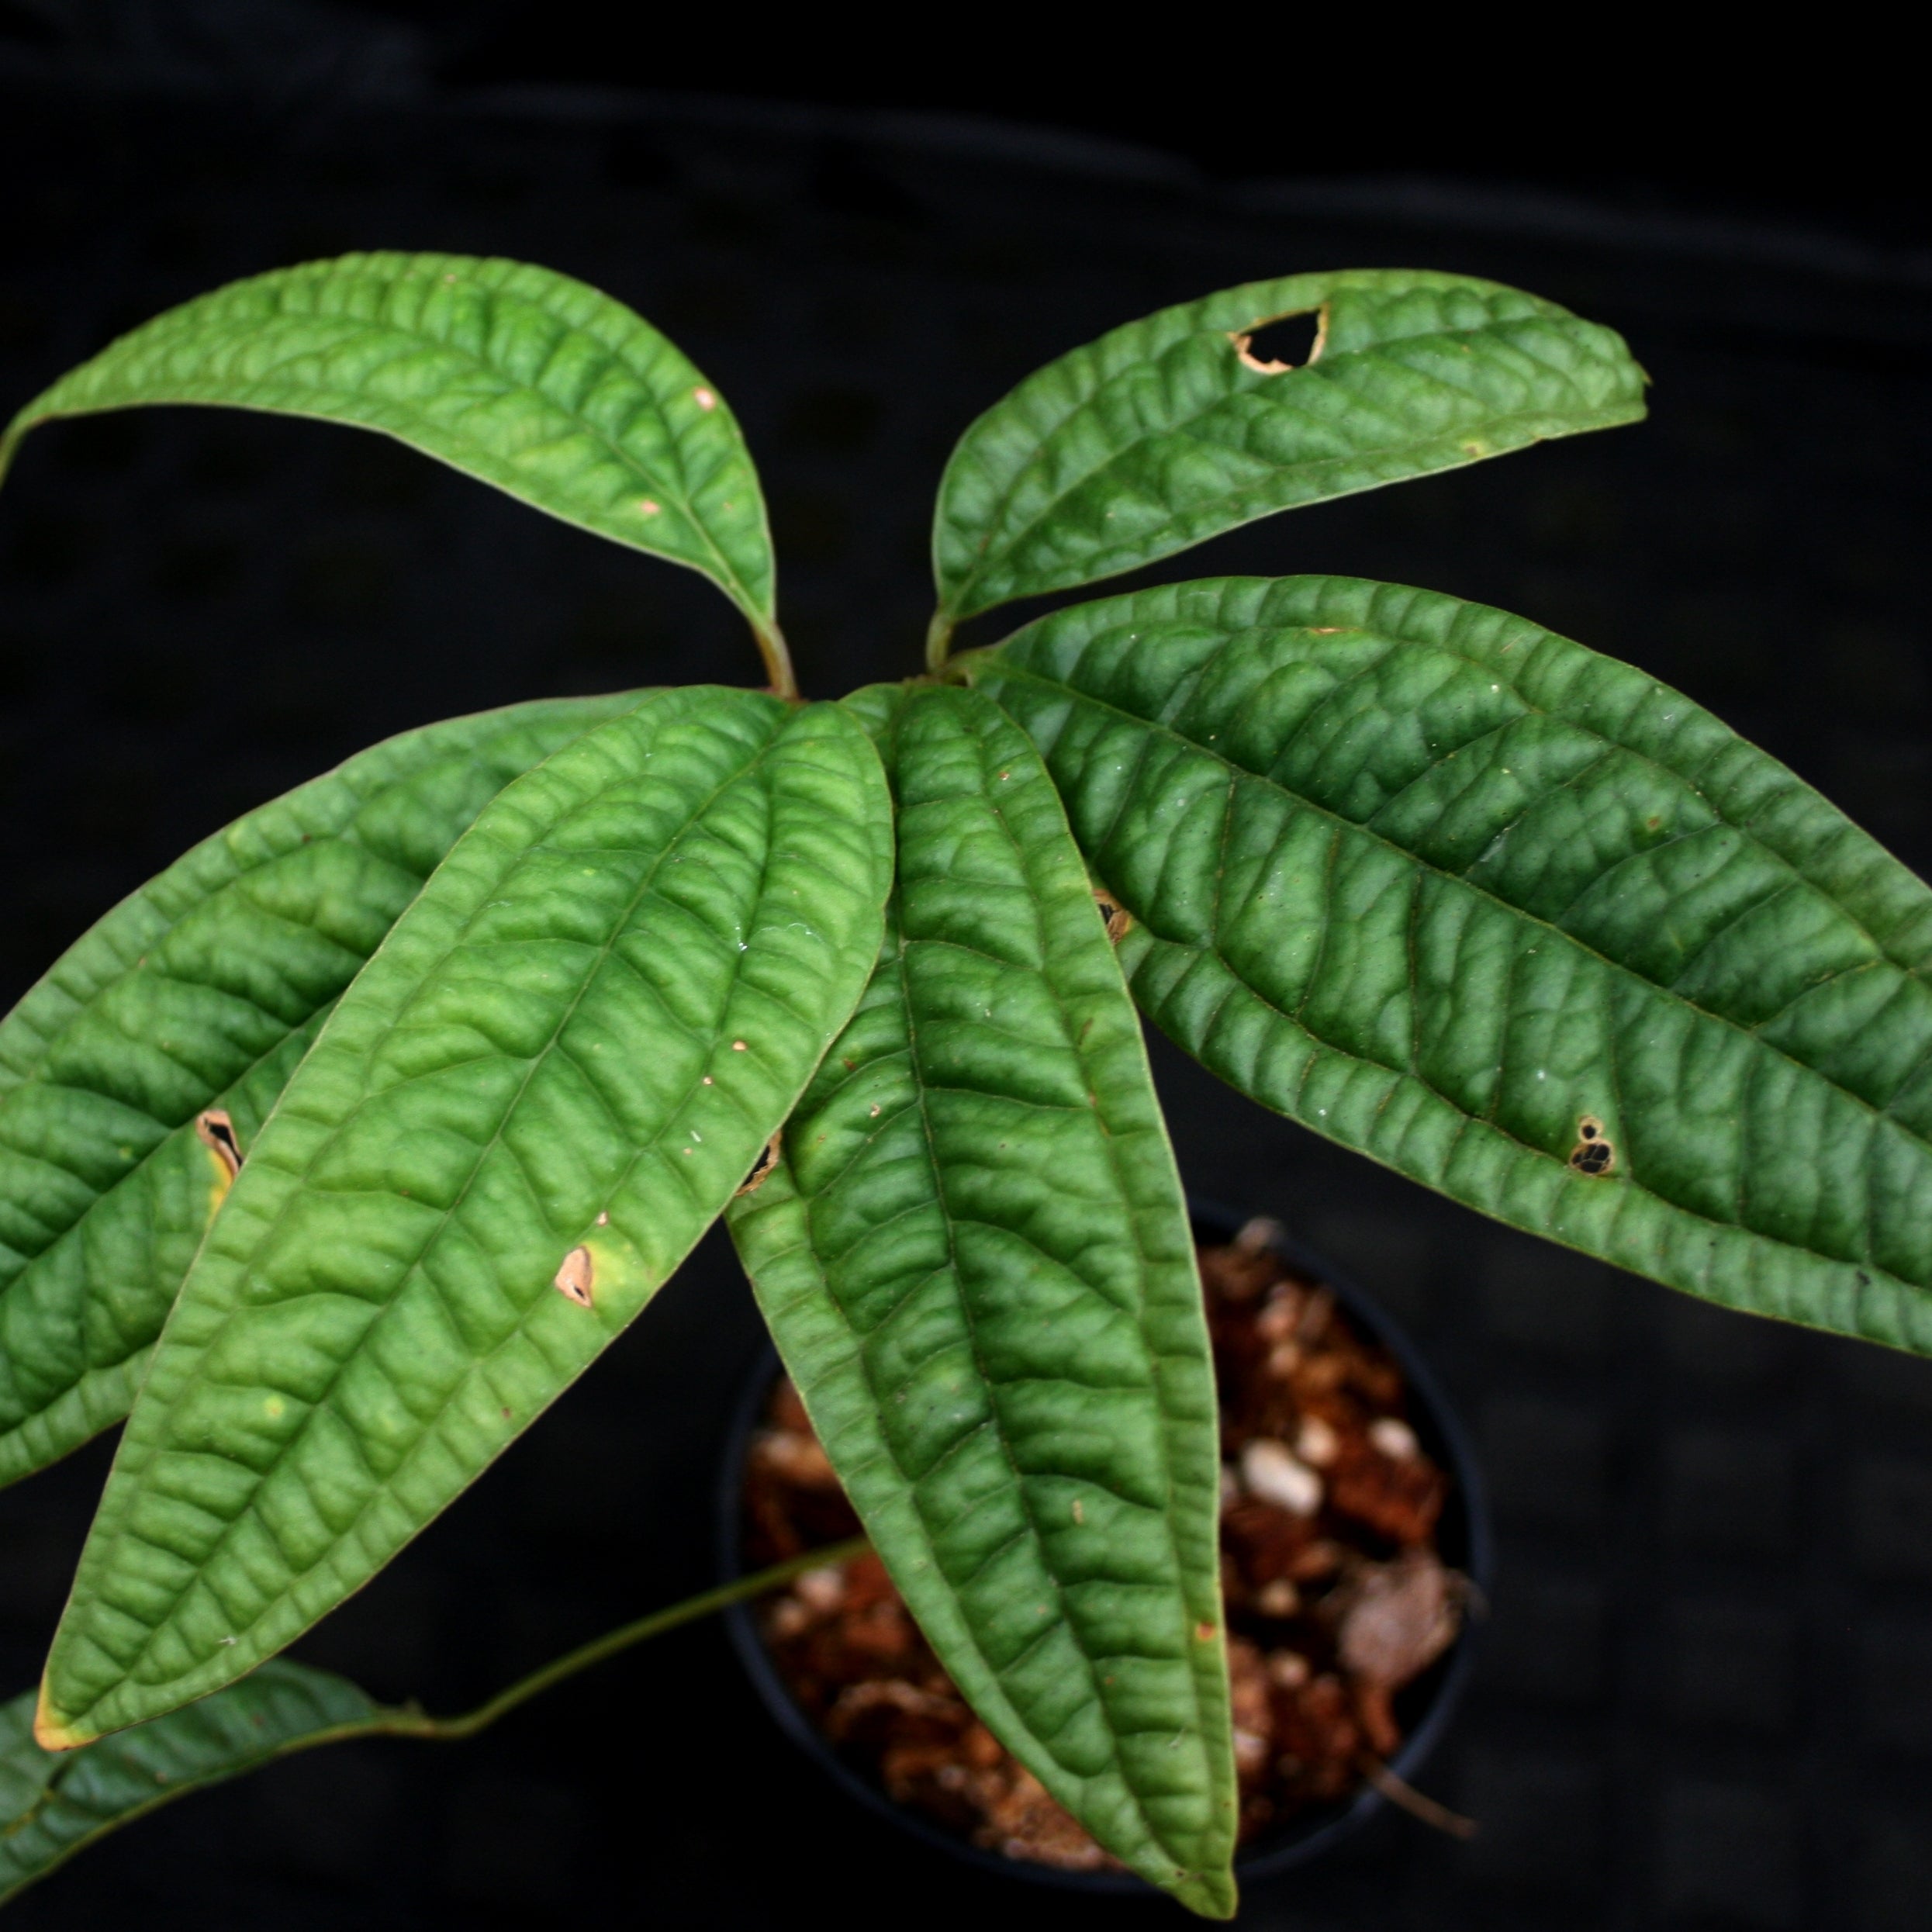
x=1118, y=921
x=216, y=1131
x=766, y=1162
x=1290, y=342
x=1593, y=1153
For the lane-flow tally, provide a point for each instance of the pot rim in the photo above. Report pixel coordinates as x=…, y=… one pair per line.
x=1316, y=1829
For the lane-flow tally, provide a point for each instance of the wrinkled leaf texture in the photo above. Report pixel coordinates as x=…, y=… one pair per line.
x=203, y=989
x=53, y=1804
x=525, y=378
x=1472, y=899
x=558, y=1067
x=976, y=1259
x=1161, y=435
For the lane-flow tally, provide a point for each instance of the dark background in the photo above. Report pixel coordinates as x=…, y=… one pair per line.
x=1706, y=1697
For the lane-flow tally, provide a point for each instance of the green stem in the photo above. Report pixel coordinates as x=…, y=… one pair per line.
x=939, y=640
x=778, y=659
x=408, y=1723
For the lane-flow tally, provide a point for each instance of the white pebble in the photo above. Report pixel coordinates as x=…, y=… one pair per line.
x=1395, y=1439
x=1272, y=1473
x=1317, y=1444
x=823, y=1589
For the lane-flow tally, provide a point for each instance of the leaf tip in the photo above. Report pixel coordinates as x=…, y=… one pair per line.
x=54, y=1732
x=1208, y=1894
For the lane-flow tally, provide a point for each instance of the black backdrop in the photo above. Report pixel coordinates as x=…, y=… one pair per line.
x=1707, y=1698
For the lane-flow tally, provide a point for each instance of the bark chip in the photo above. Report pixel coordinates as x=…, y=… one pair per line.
x=575, y=1279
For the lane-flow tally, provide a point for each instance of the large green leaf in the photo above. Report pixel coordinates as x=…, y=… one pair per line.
x=975, y=1257
x=201, y=991
x=516, y=374
x=1168, y=431
x=1515, y=918
x=53, y=1804
x=544, y=1086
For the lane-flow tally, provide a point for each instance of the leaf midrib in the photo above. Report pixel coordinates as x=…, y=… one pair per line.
x=1335, y=819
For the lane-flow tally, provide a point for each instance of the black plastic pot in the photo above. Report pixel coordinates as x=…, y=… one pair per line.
x=1464, y=1540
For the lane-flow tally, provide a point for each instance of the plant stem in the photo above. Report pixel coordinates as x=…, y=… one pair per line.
x=939, y=640
x=409, y=1723
x=778, y=659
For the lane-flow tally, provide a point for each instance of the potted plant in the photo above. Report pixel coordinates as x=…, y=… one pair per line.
x=335, y=1153
x=1354, y=1535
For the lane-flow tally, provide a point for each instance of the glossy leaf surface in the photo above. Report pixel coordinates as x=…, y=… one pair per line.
x=515, y=375
x=1169, y=430
x=203, y=990
x=53, y=1804
x=1515, y=919
x=976, y=1259
x=531, y=1103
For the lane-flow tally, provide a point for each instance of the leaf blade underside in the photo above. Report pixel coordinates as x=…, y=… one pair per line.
x=517, y=1122
x=203, y=989
x=1163, y=433
x=974, y=1256
x=1468, y=897
x=522, y=377
x=54, y=1804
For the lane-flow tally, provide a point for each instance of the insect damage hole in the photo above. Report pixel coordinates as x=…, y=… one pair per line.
x=767, y=1160
x=576, y=1280
x=1118, y=920
x=216, y=1130
x=1288, y=342
x=1595, y=1153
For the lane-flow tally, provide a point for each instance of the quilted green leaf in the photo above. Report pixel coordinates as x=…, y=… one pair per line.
x=544, y=1086
x=515, y=375
x=201, y=991
x=1514, y=918
x=974, y=1256
x=1169, y=430
x=52, y=1805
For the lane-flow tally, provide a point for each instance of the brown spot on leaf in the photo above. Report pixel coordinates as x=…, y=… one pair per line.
x=766, y=1162
x=216, y=1130
x=575, y=1279
x=1595, y=1153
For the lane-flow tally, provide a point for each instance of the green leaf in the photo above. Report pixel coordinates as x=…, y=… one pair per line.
x=974, y=1256
x=1514, y=918
x=201, y=991
x=1168, y=431
x=533, y=1101
x=514, y=375
x=53, y=1804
